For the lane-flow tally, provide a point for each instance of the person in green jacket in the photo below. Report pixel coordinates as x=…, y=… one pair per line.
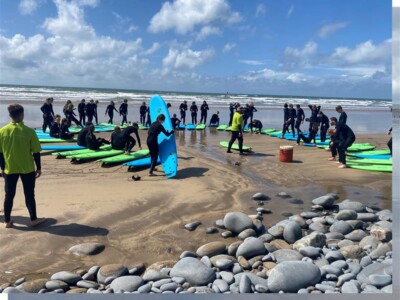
x=237, y=130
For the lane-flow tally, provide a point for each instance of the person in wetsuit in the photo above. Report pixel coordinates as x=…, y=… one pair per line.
x=92, y=142
x=249, y=113
x=152, y=140
x=81, y=139
x=332, y=144
x=48, y=113
x=256, y=125
x=214, y=119
x=314, y=114
x=183, y=108
x=237, y=130
x=285, y=119
x=389, y=143
x=203, y=112
x=123, y=111
x=194, y=109
x=70, y=114
x=82, y=112
x=300, y=116
x=90, y=111
x=311, y=136
x=110, y=111
x=290, y=121
x=175, y=122
x=96, y=115
x=148, y=119
x=232, y=109
x=124, y=141
x=324, y=125
x=142, y=112
x=344, y=138
x=64, y=131
x=343, y=115
x=55, y=127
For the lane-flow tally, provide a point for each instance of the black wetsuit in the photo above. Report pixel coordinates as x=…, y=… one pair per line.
x=231, y=113
x=70, y=114
x=285, y=119
x=90, y=107
x=110, y=110
x=324, y=121
x=308, y=139
x=257, y=125
x=123, y=140
x=203, y=111
x=82, y=113
x=344, y=137
x=123, y=111
x=389, y=143
x=96, y=115
x=94, y=143
x=175, y=122
x=194, y=110
x=142, y=112
x=250, y=113
x=290, y=121
x=300, y=116
x=48, y=115
x=152, y=142
x=183, y=108
x=314, y=115
x=148, y=121
x=81, y=140
x=55, y=130
x=64, y=133
x=214, y=120
x=343, y=117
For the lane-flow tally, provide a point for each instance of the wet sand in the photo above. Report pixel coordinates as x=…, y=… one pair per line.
x=143, y=221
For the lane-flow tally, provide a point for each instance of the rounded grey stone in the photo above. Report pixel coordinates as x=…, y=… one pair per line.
x=292, y=232
x=112, y=270
x=224, y=263
x=87, y=284
x=367, y=217
x=346, y=214
x=194, y=271
x=220, y=224
x=334, y=255
x=247, y=233
x=68, y=277
x=144, y=289
x=192, y=226
x=127, y=283
x=245, y=284
x=227, y=277
x=286, y=255
x=53, y=285
x=287, y=278
x=369, y=241
x=260, y=197
x=253, y=278
x=161, y=282
x=326, y=201
x=211, y=230
x=351, y=287
x=87, y=249
x=353, y=205
x=309, y=215
x=341, y=226
x=211, y=249
x=153, y=275
x=222, y=285
x=227, y=234
x=329, y=269
x=379, y=280
x=375, y=268
x=187, y=254
x=310, y=251
x=172, y=286
x=251, y=247
x=318, y=227
x=345, y=277
x=237, y=222
x=340, y=264
x=315, y=239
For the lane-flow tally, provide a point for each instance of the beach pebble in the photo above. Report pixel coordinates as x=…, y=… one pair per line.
x=266, y=238
x=211, y=249
x=324, y=287
x=250, y=248
x=12, y=290
x=353, y=205
x=381, y=250
x=247, y=233
x=276, y=231
x=153, y=275
x=283, y=195
x=211, y=230
x=86, y=249
x=287, y=214
x=299, y=220
x=351, y=287
x=227, y=277
x=346, y=214
x=237, y=222
x=206, y=261
x=344, y=278
x=329, y=269
x=384, y=215
x=263, y=210
x=309, y=215
x=334, y=255
x=260, y=197
x=224, y=263
x=232, y=248
x=187, y=254
x=352, y=251
x=388, y=289
x=318, y=227
x=222, y=285
x=87, y=284
x=144, y=289
x=254, y=279
x=367, y=217
x=287, y=278
x=369, y=242
x=309, y=251
x=68, y=277
x=192, y=226
x=169, y=287
x=382, y=230
x=227, y=234
x=342, y=227
x=245, y=284
x=194, y=271
x=219, y=223
x=315, y=239
x=243, y=262
x=372, y=269
x=379, y=280
x=326, y=201
x=32, y=286
x=77, y=291
x=356, y=235
x=111, y=270
x=53, y=285
x=296, y=201
x=286, y=255
x=292, y=232
x=19, y=281
x=127, y=283
x=334, y=236
x=340, y=264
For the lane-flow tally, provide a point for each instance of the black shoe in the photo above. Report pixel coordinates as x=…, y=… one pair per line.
x=229, y=151
x=242, y=153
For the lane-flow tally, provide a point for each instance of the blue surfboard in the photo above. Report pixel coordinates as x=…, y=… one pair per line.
x=181, y=127
x=384, y=156
x=62, y=147
x=190, y=127
x=142, y=162
x=167, y=146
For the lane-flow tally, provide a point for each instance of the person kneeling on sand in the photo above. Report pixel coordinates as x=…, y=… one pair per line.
x=122, y=140
x=214, y=119
x=19, y=153
x=344, y=138
x=92, y=142
x=175, y=122
x=256, y=125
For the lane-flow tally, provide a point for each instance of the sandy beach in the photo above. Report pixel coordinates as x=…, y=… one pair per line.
x=143, y=221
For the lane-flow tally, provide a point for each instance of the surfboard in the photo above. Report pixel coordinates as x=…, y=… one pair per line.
x=96, y=154
x=125, y=157
x=167, y=145
x=213, y=125
x=201, y=127
x=356, y=147
x=141, y=162
x=142, y=127
x=372, y=152
x=383, y=157
x=370, y=161
x=75, y=152
x=222, y=127
x=234, y=146
x=190, y=127
x=367, y=167
x=181, y=126
x=267, y=131
x=61, y=147
x=228, y=128
x=54, y=140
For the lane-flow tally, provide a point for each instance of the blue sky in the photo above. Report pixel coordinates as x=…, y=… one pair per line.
x=288, y=47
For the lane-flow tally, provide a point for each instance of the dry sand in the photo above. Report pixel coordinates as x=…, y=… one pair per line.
x=143, y=221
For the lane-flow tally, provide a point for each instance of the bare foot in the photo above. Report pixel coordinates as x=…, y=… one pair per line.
x=332, y=158
x=8, y=224
x=342, y=166
x=37, y=221
x=151, y=175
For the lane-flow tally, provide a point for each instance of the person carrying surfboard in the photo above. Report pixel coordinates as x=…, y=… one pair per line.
x=152, y=141
x=237, y=130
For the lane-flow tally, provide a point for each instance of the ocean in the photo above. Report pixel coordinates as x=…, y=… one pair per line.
x=364, y=115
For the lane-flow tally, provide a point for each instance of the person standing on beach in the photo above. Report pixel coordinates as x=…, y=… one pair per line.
x=82, y=112
x=291, y=119
x=152, y=141
x=203, y=112
x=123, y=111
x=389, y=143
x=19, y=153
x=96, y=115
x=48, y=113
x=148, y=120
x=90, y=111
x=142, y=112
x=70, y=114
x=324, y=123
x=183, y=108
x=314, y=114
x=249, y=113
x=300, y=116
x=344, y=137
x=110, y=111
x=343, y=115
x=237, y=130
x=285, y=119
x=194, y=109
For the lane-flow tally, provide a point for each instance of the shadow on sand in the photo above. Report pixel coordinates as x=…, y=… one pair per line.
x=190, y=172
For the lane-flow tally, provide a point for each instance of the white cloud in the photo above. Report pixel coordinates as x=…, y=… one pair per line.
x=329, y=29
x=294, y=57
x=132, y=28
x=154, y=48
x=290, y=11
x=184, y=15
x=207, y=31
x=251, y=62
x=272, y=76
x=187, y=59
x=28, y=7
x=228, y=47
x=123, y=23
x=260, y=10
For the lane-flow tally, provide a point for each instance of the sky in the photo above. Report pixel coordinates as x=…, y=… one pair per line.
x=326, y=48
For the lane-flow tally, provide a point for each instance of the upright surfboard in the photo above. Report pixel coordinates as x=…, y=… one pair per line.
x=167, y=146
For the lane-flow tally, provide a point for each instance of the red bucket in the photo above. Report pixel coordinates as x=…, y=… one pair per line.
x=286, y=153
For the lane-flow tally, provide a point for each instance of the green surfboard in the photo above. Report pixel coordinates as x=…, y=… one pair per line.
x=370, y=161
x=96, y=154
x=228, y=128
x=367, y=167
x=222, y=127
x=124, y=157
x=201, y=127
x=372, y=152
x=268, y=131
x=356, y=147
x=76, y=152
x=234, y=146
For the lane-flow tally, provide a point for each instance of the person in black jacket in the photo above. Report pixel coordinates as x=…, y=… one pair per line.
x=300, y=116
x=48, y=113
x=256, y=125
x=183, y=108
x=389, y=143
x=82, y=112
x=311, y=137
x=122, y=140
x=90, y=108
x=81, y=139
x=314, y=114
x=55, y=127
x=232, y=109
x=92, y=142
x=142, y=112
x=214, y=121
x=110, y=111
x=64, y=131
x=175, y=122
x=324, y=125
x=344, y=138
x=194, y=109
x=285, y=119
x=290, y=121
x=249, y=113
x=152, y=140
x=203, y=112
x=343, y=115
x=96, y=115
x=123, y=111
